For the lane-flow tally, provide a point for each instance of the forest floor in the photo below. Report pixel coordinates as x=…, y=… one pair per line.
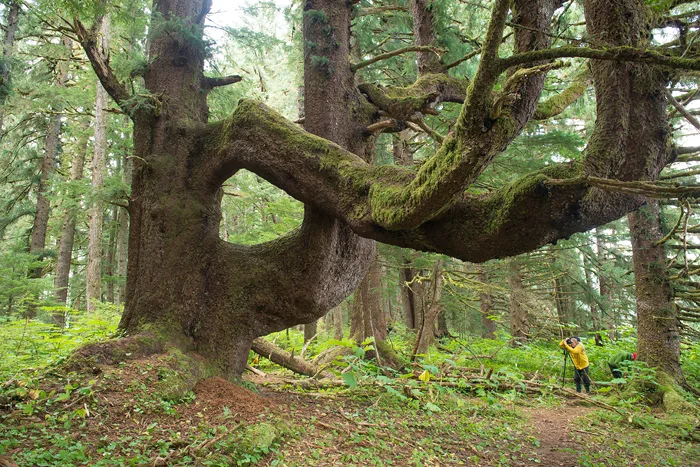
x=114, y=417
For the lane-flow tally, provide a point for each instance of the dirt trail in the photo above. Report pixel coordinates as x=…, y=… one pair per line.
x=554, y=428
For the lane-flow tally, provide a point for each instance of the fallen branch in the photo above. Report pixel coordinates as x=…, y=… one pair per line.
x=285, y=359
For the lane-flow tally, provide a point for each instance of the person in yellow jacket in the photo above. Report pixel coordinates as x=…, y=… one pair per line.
x=580, y=359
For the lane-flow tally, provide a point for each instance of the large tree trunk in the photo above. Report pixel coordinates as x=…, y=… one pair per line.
x=424, y=35
x=123, y=235
x=657, y=317
x=212, y=296
x=93, y=277
x=65, y=247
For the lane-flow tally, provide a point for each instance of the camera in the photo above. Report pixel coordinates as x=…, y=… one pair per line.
x=568, y=341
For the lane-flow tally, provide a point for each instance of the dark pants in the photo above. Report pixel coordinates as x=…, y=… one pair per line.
x=616, y=372
x=582, y=375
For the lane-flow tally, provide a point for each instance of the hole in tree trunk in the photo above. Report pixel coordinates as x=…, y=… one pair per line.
x=255, y=211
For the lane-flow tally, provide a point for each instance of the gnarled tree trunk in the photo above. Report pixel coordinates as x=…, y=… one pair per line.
x=214, y=297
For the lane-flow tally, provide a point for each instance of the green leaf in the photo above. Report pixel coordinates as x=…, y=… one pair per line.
x=349, y=379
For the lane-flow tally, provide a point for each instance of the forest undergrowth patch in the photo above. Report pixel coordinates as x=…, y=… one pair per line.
x=113, y=416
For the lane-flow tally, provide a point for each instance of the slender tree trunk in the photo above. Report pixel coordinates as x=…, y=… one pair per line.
x=486, y=305
x=94, y=262
x=606, y=292
x=310, y=330
x=519, y=325
x=427, y=327
x=109, y=267
x=594, y=310
x=657, y=317
x=13, y=10
x=65, y=247
x=337, y=322
x=408, y=297
x=43, y=207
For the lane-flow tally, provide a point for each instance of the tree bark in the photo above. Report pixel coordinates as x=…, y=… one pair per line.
x=424, y=35
x=123, y=234
x=93, y=277
x=368, y=319
x=657, y=317
x=310, y=330
x=279, y=356
x=606, y=293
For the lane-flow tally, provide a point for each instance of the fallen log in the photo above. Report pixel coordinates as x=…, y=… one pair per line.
x=285, y=359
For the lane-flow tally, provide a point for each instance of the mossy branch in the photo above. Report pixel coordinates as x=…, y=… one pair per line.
x=557, y=104
x=649, y=189
x=618, y=54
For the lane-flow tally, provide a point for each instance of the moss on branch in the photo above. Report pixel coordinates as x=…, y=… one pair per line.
x=620, y=54
x=557, y=104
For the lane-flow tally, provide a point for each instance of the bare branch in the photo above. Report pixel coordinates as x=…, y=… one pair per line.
x=682, y=110
x=380, y=9
x=394, y=53
x=215, y=82
x=116, y=89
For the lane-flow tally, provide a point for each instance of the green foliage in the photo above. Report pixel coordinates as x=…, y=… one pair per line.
x=26, y=344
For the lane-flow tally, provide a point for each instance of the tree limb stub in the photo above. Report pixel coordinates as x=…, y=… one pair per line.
x=214, y=82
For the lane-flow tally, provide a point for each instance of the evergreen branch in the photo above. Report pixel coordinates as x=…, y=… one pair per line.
x=620, y=54
x=393, y=53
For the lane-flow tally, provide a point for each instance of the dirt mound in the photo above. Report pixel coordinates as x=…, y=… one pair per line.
x=218, y=392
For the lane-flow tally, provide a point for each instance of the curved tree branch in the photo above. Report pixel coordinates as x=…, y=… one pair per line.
x=557, y=104
x=100, y=64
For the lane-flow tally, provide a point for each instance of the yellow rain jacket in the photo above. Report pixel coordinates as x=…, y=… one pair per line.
x=578, y=355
